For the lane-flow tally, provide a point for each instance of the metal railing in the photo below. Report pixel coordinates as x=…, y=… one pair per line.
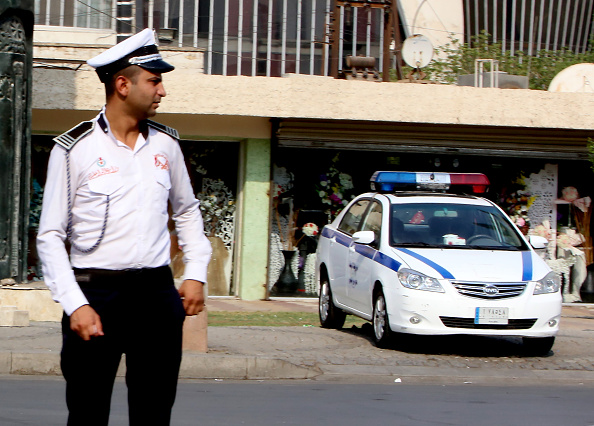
x=239, y=37
x=531, y=25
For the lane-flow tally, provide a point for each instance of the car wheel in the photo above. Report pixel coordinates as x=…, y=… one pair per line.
x=538, y=346
x=382, y=335
x=330, y=315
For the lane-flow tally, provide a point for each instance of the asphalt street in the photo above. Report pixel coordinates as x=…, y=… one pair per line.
x=39, y=401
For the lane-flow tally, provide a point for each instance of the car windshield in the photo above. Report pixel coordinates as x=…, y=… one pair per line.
x=456, y=226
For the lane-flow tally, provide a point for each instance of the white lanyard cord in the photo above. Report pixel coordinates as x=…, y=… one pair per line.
x=69, y=226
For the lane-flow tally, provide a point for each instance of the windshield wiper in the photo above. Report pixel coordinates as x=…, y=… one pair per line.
x=499, y=248
x=417, y=244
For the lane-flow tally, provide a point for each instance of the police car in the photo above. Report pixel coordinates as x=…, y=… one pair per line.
x=431, y=261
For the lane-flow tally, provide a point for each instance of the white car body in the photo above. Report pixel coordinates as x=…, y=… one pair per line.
x=355, y=271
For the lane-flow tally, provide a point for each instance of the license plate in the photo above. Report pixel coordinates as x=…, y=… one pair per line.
x=491, y=315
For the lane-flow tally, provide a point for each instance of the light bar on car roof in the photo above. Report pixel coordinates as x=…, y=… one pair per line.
x=391, y=181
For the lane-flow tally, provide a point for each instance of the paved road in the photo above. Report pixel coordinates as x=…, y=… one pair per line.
x=40, y=402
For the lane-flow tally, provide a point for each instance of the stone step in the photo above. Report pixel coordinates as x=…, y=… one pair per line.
x=34, y=298
x=10, y=316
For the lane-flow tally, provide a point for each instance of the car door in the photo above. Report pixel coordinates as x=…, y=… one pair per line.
x=339, y=248
x=361, y=263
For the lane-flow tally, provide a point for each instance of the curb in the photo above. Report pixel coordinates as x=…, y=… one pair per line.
x=202, y=366
x=450, y=375
x=229, y=367
x=193, y=366
x=30, y=363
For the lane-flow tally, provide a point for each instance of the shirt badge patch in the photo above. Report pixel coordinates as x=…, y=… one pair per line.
x=103, y=170
x=161, y=162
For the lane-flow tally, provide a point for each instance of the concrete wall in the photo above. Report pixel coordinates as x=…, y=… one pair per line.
x=189, y=92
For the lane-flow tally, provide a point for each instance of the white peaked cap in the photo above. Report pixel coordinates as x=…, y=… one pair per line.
x=139, y=49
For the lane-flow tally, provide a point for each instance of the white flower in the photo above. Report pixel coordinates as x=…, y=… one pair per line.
x=570, y=193
x=310, y=229
x=345, y=181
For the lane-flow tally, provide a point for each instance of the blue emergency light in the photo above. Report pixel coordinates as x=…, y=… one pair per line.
x=384, y=181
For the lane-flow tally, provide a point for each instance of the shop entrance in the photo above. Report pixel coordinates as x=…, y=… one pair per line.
x=311, y=186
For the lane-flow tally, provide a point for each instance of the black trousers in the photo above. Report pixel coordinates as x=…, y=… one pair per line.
x=142, y=316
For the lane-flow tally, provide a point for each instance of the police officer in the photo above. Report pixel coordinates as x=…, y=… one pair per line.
x=108, y=187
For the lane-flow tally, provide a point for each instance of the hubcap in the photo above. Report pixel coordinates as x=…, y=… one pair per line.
x=379, y=318
x=324, y=301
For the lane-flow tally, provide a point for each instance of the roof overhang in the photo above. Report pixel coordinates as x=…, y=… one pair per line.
x=545, y=143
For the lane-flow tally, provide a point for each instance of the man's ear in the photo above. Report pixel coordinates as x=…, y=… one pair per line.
x=122, y=85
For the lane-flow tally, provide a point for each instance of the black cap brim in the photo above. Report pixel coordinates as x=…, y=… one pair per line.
x=157, y=66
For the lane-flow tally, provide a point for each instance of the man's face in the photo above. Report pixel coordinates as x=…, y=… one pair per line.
x=145, y=94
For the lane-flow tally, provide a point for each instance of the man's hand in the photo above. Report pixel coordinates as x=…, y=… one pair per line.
x=86, y=323
x=192, y=293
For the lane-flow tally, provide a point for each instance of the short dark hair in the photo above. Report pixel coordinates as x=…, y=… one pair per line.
x=130, y=73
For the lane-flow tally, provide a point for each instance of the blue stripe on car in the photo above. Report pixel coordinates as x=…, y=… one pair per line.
x=365, y=250
x=343, y=239
x=526, y=265
x=387, y=261
x=444, y=272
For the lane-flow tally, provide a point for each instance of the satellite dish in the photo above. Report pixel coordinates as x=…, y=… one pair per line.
x=417, y=51
x=576, y=78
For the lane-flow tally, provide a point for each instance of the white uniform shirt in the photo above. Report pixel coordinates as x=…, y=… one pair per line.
x=138, y=182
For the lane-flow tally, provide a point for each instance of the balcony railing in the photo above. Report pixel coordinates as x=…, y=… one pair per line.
x=239, y=37
x=276, y=37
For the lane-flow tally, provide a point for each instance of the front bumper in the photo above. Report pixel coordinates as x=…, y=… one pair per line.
x=429, y=313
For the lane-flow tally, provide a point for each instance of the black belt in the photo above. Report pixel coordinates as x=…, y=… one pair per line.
x=88, y=276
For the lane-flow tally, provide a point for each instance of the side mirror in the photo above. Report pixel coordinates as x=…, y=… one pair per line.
x=364, y=237
x=538, y=242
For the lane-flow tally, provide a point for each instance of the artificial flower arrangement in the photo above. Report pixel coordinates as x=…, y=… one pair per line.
x=516, y=204
x=335, y=189
x=310, y=229
x=580, y=207
x=217, y=205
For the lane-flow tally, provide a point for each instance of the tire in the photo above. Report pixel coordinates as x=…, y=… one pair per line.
x=382, y=334
x=330, y=315
x=538, y=346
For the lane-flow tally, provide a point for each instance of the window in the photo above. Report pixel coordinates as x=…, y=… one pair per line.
x=452, y=226
x=70, y=13
x=373, y=220
x=352, y=218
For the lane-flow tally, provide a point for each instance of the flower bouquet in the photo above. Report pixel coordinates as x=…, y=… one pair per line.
x=335, y=189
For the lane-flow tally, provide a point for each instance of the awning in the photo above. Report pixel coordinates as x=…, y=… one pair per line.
x=560, y=144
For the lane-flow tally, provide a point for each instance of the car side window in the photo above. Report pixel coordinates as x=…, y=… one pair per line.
x=373, y=220
x=352, y=218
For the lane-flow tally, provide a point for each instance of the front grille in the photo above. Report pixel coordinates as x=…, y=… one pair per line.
x=513, y=324
x=491, y=291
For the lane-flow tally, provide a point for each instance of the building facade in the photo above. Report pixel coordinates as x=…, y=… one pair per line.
x=268, y=155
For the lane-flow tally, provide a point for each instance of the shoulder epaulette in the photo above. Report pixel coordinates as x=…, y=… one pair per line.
x=163, y=128
x=71, y=137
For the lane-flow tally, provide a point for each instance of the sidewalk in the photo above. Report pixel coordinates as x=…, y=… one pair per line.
x=341, y=355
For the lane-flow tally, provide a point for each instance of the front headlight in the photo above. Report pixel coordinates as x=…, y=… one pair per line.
x=417, y=281
x=549, y=284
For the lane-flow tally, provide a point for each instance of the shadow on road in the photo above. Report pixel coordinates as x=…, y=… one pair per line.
x=461, y=345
